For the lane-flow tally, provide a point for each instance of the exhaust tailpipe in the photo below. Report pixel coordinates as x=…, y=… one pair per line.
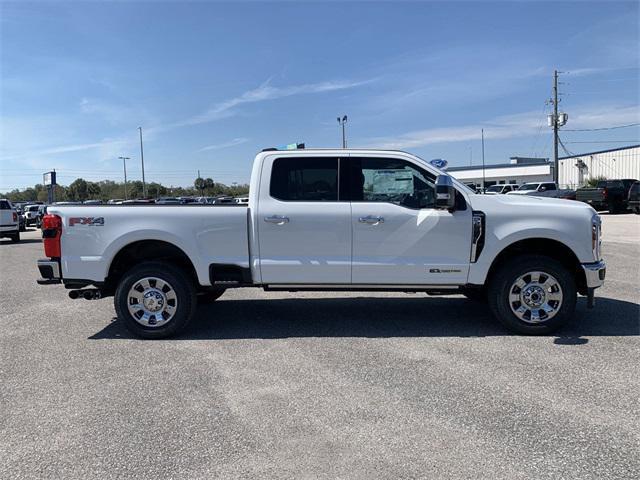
x=87, y=294
x=91, y=294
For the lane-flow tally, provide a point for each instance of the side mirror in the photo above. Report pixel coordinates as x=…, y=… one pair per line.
x=445, y=193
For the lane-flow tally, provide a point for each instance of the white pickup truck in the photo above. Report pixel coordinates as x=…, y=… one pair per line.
x=360, y=220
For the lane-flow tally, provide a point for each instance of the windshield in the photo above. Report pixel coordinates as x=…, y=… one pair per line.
x=529, y=186
x=495, y=188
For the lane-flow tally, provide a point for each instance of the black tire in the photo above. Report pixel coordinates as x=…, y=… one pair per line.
x=210, y=296
x=15, y=238
x=637, y=210
x=503, y=280
x=475, y=294
x=181, y=284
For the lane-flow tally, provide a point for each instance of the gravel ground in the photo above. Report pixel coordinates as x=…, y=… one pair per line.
x=319, y=385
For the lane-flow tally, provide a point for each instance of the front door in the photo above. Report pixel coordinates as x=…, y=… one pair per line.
x=304, y=229
x=398, y=236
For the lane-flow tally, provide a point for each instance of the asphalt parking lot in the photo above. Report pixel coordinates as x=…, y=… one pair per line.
x=319, y=385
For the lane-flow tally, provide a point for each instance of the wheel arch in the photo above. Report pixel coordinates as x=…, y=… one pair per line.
x=143, y=250
x=547, y=247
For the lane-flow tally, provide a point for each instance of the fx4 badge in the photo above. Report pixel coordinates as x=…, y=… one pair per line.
x=86, y=221
x=443, y=270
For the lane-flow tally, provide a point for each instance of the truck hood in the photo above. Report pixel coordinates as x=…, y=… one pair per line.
x=530, y=203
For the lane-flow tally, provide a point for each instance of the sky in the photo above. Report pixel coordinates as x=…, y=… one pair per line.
x=213, y=83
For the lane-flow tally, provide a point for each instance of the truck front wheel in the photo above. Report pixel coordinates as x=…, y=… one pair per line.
x=532, y=294
x=155, y=300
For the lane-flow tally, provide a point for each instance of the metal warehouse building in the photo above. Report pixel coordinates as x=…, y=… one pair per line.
x=518, y=171
x=574, y=171
x=616, y=163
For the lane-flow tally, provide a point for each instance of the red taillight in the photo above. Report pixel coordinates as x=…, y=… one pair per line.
x=51, y=232
x=15, y=217
x=605, y=193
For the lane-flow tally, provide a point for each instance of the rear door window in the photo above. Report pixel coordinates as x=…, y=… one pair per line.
x=306, y=179
x=4, y=205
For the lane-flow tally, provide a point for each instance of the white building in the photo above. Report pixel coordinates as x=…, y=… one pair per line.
x=573, y=172
x=617, y=163
x=518, y=171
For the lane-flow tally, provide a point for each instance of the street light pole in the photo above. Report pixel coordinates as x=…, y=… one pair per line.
x=144, y=185
x=124, y=164
x=483, y=178
x=342, y=121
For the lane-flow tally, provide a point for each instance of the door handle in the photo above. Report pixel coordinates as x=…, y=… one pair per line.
x=278, y=219
x=371, y=220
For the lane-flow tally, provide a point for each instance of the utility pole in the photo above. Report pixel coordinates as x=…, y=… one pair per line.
x=482, y=133
x=144, y=185
x=556, y=120
x=342, y=121
x=200, y=184
x=555, y=126
x=124, y=164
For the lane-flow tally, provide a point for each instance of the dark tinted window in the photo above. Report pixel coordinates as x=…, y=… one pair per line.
x=549, y=186
x=4, y=205
x=305, y=179
x=391, y=180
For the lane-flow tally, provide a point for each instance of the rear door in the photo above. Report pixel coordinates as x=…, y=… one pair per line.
x=304, y=227
x=398, y=235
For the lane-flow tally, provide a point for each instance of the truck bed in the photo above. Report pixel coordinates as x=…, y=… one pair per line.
x=590, y=195
x=92, y=235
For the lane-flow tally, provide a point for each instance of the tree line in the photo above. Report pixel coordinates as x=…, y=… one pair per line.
x=80, y=190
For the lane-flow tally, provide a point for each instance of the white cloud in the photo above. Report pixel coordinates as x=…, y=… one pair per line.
x=231, y=143
x=262, y=93
x=116, y=114
x=508, y=126
x=67, y=149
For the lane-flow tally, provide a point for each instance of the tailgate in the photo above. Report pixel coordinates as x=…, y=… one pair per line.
x=590, y=194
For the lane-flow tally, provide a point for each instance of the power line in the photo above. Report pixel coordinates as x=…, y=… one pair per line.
x=598, y=129
x=566, y=150
x=611, y=141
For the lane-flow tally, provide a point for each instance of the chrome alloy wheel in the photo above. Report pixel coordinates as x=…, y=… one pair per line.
x=152, y=302
x=535, y=297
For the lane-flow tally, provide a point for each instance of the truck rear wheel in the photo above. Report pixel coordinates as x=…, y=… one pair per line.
x=155, y=300
x=533, y=295
x=15, y=237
